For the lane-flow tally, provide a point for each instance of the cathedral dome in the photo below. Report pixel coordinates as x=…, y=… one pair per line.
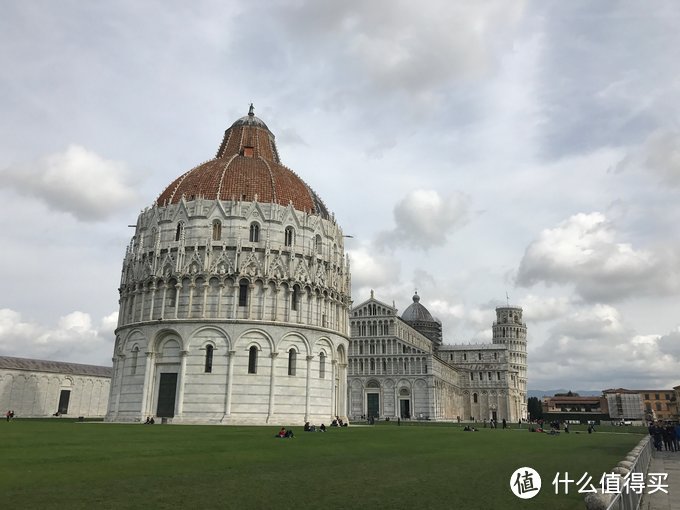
x=246, y=168
x=419, y=318
x=417, y=312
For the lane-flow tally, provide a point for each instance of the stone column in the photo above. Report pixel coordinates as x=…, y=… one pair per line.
x=146, y=388
x=277, y=291
x=342, y=392
x=153, y=300
x=219, y=299
x=132, y=307
x=310, y=307
x=192, y=286
x=249, y=307
x=119, y=363
x=165, y=293
x=182, y=377
x=272, y=385
x=234, y=314
x=308, y=386
x=178, y=288
x=142, y=297
x=230, y=384
x=334, y=387
x=206, y=285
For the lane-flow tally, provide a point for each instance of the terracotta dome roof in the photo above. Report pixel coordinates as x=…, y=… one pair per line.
x=247, y=167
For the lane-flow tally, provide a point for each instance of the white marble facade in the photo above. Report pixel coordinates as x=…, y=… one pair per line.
x=396, y=371
x=234, y=311
x=36, y=388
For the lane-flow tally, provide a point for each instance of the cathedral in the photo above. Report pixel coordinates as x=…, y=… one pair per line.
x=234, y=296
x=399, y=368
x=235, y=299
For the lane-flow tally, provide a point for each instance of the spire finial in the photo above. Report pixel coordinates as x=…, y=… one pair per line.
x=251, y=110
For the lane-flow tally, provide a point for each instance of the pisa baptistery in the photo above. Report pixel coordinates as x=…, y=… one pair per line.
x=234, y=296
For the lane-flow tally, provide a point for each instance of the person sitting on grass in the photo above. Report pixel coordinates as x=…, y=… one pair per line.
x=322, y=428
x=289, y=434
x=282, y=432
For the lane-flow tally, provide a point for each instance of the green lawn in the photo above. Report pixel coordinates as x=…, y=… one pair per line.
x=62, y=464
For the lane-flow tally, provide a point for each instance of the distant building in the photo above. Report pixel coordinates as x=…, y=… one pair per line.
x=36, y=388
x=624, y=405
x=575, y=408
x=399, y=367
x=659, y=404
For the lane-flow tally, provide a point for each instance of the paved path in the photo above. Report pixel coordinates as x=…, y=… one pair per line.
x=664, y=462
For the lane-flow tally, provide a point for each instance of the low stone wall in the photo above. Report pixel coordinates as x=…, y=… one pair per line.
x=636, y=461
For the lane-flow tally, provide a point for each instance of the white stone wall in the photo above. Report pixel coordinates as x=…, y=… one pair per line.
x=187, y=286
x=33, y=394
x=229, y=394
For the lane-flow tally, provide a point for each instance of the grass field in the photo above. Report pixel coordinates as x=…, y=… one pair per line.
x=62, y=464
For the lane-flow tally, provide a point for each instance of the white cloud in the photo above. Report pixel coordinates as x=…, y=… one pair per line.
x=543, y=308
x=72, y=339
x=371, y=269
x=392, y=45
x=424, y=219
x=658, y=154
x=593, y=347
x=584, y=251
x=76, y=181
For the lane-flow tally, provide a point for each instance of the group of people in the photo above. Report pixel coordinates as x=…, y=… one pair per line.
x=285, y=434
x=149, y=420
x=667, y=436
x=9, y=415
x=313, y=428
x=337, y=422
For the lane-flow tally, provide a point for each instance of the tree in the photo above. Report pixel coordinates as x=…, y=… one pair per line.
x=535, y=408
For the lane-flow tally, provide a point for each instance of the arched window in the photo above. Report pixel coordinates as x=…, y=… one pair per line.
x=292, y=358
x=208, y=359
x=322, y=366
x=217, y=230
x=135, y=354
x=295, y=298
x=318, y=245
x=474, y=398
x=254, y=233
x=252, y=360
x=180, y=231
x=289, y=236
x=243, y=293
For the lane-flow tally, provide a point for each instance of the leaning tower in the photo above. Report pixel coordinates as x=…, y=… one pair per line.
x=509, y=330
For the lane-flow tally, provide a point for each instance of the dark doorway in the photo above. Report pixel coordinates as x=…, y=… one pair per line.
x=167, y=390
x=64, y=397
x=405, y=408
x=494, y=416
x=373, y=405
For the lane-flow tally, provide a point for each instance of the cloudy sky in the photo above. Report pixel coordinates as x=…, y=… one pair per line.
x=472, y=149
